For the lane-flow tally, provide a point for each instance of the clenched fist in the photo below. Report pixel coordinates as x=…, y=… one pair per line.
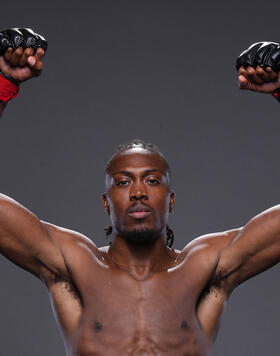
x=21, y=53
x=259, y=67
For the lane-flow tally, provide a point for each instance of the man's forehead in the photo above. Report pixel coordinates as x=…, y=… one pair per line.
x=137, y=158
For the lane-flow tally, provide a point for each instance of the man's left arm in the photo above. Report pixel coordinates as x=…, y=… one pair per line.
x=257, y=245
x=255, y=249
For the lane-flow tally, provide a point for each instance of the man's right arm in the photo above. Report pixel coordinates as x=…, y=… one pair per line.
x=24, y=239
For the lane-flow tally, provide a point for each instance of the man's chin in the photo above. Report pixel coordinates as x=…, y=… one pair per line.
x=140, y=235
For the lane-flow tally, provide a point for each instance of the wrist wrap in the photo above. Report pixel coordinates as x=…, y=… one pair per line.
x=276, y=94
x=9, y=88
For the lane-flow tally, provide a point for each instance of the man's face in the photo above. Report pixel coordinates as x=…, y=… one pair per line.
x=138, y=196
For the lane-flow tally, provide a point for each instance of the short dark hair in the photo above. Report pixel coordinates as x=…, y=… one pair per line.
x=142, y=144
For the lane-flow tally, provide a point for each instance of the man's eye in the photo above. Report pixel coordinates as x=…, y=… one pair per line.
x=153, y=181
x=122, y=182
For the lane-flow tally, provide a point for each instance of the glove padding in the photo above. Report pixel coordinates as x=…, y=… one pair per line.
x=25, y=37
x=263, y=54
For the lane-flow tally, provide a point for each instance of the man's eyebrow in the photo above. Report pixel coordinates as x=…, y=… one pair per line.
x=126, y=173
x=154, y=170
x=147, y=171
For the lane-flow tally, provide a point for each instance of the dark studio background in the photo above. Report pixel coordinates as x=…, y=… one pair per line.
x=158, y=70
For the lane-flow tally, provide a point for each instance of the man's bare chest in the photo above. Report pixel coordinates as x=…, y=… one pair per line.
x=115, y=296
x=112, y=298
x=108, y=308
x=121, y=313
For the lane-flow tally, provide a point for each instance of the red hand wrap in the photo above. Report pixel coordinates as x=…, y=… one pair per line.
x=276, y=94
x=8, y=90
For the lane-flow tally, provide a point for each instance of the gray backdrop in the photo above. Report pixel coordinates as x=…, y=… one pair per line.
x=158, y=70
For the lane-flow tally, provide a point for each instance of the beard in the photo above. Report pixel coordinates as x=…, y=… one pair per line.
x=140, y=235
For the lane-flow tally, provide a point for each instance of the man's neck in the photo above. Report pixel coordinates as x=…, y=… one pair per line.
x=141, y=260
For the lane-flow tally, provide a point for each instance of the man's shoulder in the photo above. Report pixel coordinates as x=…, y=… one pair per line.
x=211, y=244
x=67, y=239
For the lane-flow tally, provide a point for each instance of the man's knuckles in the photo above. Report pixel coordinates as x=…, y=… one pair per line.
x=8, y=54
x=16, y=55
x=258, y=75
x=261, y=54
x=33, y=40
x=38, y=66
x=251, y=74
x=22, y=57
x=261, y=73
x=21, y=37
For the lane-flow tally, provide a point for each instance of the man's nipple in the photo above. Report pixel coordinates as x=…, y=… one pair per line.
x=184, y=325
x=97, y=326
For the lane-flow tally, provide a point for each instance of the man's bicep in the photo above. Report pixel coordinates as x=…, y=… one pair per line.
x=255, y=249
x=25, y=240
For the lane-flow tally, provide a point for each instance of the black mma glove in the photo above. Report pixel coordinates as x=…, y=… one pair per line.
x=25, y=37
x=14, y=38
x=263, y=54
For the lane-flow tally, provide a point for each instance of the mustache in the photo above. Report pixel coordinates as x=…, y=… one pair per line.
x=138, y=207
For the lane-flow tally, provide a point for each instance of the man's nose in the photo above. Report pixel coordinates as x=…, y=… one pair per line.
x=138, y=191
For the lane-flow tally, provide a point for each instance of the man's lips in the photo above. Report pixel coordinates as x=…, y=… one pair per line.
x=140, y=214
x=139, y=211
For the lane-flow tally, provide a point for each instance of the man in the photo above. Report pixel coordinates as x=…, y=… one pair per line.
x=137, y=296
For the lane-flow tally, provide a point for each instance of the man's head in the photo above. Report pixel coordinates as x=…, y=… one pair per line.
x=138, y=194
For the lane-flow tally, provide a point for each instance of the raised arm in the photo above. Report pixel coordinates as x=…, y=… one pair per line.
x=24, y=239
x=257, y=246
x=27, y=241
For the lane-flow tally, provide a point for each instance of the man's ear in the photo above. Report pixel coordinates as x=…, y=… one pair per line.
x=171, y=201
x=106, y=203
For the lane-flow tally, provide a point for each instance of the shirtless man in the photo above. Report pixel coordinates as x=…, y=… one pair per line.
x=138, y=296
